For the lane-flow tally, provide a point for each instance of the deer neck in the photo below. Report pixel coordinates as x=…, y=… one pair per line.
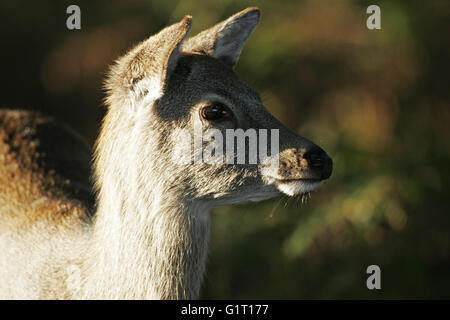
x=149, y=242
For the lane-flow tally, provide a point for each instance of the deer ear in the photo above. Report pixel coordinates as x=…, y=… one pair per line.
x=146, y=68
x=225, y=40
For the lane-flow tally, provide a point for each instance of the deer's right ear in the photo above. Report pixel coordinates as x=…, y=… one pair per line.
x=225, y=40
x=146, y=68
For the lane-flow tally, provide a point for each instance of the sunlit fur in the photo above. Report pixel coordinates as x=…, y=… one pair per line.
x=146, y=235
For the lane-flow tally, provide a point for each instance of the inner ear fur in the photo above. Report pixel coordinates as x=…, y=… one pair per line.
x=153, y=59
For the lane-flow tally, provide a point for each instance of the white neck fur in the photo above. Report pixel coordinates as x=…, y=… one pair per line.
x=148, y=242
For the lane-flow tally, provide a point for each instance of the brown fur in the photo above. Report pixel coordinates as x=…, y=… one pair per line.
x=36, y=164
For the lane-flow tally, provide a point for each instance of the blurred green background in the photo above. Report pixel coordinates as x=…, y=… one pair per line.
x=377, y=101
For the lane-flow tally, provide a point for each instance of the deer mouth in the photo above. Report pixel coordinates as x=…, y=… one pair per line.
x=292, y=187
x=297, y=180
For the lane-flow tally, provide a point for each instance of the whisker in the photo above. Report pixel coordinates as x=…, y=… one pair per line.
x=274, y=208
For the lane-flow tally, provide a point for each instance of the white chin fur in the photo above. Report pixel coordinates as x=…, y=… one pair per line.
x=297, y=187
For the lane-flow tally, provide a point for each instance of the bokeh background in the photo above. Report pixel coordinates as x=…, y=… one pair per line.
x=377, y=101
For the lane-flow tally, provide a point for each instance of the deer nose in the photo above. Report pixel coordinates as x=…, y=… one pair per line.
x=320, y=162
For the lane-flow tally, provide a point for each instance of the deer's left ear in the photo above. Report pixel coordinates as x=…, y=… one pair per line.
x=225, y=40
x=147, y=67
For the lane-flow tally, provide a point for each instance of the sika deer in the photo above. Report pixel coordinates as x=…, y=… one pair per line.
x=146, y=235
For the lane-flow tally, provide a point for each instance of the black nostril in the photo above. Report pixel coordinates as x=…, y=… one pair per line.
x=315, y=161
x=318, y=160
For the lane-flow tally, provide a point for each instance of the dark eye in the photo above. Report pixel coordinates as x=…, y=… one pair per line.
x=216, y=111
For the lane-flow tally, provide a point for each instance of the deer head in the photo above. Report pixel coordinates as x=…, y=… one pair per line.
x=170, y=85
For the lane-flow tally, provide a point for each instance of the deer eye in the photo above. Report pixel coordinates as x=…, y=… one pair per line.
x=216, y=112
